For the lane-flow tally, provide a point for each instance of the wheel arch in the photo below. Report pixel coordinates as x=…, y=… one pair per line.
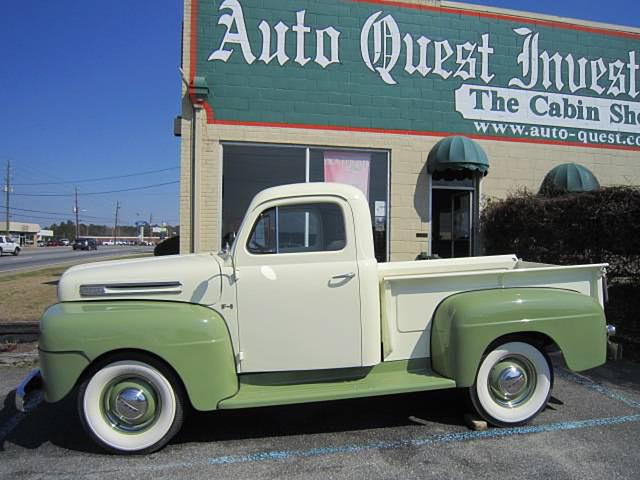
x=192, y=340
x=466, y=325
x=131, y=354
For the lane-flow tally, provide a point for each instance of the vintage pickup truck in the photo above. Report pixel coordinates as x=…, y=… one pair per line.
x=298, y=310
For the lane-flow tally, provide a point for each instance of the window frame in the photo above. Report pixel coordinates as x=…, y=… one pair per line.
x=276, y=207
x=308, y=148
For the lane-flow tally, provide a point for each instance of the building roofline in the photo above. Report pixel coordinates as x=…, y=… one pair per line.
x=526, y=15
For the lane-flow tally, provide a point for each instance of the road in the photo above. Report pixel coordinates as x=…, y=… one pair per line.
x=590, y=430
x=33, y=258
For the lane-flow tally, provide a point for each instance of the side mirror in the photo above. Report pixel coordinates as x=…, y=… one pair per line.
x=227, y=242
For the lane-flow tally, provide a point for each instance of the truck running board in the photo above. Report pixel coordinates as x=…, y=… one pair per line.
x=281, y=388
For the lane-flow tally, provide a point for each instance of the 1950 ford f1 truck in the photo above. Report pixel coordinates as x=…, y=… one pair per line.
x=298, y=310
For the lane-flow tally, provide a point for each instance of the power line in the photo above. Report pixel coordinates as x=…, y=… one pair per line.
x=14, y=209
x=62, y=218
x=98, y=179
x=97, y=193
x=49, y=218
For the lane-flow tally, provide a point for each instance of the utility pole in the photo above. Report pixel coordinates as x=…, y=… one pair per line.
x=115, y=224
x=7, y=191
x=150, y=228
x=77, y=210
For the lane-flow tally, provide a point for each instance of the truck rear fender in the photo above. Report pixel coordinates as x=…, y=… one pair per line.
x=191, y=339
x=466, y=324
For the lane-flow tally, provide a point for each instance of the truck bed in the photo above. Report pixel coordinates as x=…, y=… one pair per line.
x=411, y=291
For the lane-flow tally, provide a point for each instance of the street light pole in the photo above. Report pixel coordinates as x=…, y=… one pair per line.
x=7, y=191
x=77, y=215
x=115, y=224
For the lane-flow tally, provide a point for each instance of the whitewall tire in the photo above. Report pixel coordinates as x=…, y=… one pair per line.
x=513, y=384
x=131, y=406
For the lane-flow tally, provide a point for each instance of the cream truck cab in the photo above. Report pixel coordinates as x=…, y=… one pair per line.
x=298, y=310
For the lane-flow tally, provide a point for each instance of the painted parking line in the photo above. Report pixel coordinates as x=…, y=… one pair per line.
x=430, y=440
x=587, y=382
x=441, y=439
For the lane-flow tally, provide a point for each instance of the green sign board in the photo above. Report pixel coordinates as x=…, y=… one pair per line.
x=374, y=65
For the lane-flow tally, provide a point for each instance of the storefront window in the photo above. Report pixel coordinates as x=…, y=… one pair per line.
x=367, y=170
x=248, y=169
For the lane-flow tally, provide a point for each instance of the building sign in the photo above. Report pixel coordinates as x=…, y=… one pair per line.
x=375, y=66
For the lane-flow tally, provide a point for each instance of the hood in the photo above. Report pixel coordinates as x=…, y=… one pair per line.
x=192, y=278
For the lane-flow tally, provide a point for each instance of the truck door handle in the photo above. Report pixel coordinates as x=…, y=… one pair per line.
x=344, y=276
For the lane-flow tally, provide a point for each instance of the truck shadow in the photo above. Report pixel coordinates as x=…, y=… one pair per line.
x=416, y=409
x=58, y=424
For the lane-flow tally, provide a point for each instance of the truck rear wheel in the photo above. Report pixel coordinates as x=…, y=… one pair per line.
x=513, y=384
x=131, y=405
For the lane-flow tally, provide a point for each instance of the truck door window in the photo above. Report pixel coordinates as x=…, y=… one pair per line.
x=314, y=227
x=263, y=235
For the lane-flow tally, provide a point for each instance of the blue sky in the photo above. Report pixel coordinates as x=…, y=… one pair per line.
x=90, y=89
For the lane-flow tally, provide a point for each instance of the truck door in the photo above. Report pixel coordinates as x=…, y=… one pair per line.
x=298, y=292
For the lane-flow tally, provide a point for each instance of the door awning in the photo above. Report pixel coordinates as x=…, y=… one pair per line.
x=457, y=154
x=569, y=178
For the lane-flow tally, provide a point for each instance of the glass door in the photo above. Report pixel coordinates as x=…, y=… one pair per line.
x=452, y=223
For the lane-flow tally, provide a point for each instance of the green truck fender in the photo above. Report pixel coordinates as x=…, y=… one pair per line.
x=191, y=339
x=466, y=324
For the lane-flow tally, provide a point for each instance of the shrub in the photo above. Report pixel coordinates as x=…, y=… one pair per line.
x=592, y=227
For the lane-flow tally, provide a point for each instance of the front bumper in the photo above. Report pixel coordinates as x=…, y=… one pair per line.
x=27, y=388
x=614, y=350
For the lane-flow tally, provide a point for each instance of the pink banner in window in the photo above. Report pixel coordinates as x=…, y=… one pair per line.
x=347, y=167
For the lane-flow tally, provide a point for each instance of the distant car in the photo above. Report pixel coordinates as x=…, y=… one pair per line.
x=41, y=243
x=65, y=242
x=85, y=244
x=107, y=243
x=7, y=245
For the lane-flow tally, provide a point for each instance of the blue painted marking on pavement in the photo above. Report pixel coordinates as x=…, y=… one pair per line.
x=587, y=382
x=466, y=436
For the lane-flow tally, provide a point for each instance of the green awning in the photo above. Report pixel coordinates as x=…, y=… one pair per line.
x=569, y=178
x=457, y=154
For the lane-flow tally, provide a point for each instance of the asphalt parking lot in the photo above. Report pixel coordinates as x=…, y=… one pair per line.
x=591, y=429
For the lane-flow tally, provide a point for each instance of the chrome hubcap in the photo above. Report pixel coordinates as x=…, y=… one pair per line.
x=131, y=405
x=512, y=381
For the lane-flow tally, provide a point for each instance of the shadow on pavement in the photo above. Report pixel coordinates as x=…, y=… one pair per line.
x=441, y=407
x=58, y=424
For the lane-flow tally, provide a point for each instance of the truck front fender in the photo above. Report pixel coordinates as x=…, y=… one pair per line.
x=465, y=325
x=191, y=339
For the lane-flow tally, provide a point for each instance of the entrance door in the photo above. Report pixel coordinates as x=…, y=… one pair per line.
x=452, y=223
x=298, y=288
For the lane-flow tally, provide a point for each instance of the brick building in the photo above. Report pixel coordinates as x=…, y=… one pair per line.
x=362, y=91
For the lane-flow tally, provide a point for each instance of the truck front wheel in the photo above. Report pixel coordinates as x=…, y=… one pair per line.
x=131, y=405
x=513, y=384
